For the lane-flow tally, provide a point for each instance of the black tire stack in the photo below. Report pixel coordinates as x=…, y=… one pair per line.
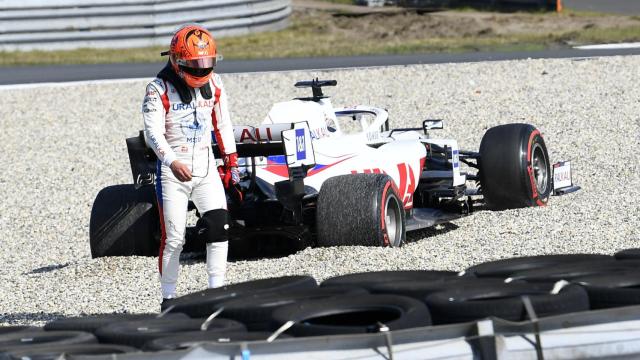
x=607, y=281
x=348, y=304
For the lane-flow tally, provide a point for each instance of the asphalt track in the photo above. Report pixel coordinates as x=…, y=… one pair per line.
x=65, y=73
x=628, y=7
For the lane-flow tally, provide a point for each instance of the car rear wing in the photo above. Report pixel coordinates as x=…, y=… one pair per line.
x=290, y=139
x=253, y=141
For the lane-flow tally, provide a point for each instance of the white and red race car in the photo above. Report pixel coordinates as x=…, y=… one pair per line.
x=315, y=175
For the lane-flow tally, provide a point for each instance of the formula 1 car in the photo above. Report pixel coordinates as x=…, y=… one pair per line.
x=315, y=175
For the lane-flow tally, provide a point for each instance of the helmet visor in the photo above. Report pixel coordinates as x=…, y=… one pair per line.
x=197, y=72
x=203, y=63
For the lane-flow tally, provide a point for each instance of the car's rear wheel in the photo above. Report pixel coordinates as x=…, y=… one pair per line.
x=124, y=222
x=514, y=164
x=360, y=209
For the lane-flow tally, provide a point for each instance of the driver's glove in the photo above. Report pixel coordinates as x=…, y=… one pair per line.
x=229, y=173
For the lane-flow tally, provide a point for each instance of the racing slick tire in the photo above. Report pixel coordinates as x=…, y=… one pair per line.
x=124, y=222
x=503, y=268
x=514, y=167
x=352, y=315
x=360, y=209
x=504, y=301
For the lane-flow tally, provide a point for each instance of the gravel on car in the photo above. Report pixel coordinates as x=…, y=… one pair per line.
x=62, y=143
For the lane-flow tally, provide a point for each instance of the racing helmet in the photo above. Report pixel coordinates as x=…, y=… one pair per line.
x=193, y=54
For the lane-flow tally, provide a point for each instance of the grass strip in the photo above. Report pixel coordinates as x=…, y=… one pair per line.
x=302, y=39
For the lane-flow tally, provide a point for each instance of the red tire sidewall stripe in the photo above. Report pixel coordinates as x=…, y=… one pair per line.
x=534, y=190
x=383, y=226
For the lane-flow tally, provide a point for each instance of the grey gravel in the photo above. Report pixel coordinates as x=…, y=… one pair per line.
x=62, y=144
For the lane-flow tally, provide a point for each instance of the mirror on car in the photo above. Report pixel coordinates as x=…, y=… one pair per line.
x=430, y=124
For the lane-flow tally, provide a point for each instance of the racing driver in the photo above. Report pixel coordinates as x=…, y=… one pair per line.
x=183, y=107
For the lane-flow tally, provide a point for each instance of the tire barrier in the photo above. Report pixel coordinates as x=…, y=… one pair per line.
x=420, y=289
x=571, y=271
x=612, y=290
x=370, y=279
x=73, y=24
x=93, y=323
x=505, y=267
x=138, y=333
x=628, y=254
x=17, y=328
x=54, y=352
x=255, y=310
x=352, y=315
x=543, y=293
x=27, y=339
x=504, y=301
x=205, y=302
x=188, y=339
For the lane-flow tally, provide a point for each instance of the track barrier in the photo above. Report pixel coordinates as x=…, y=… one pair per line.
x=72, y=24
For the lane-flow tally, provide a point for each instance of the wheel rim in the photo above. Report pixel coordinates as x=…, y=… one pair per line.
x=540, y=167
x=393, y=220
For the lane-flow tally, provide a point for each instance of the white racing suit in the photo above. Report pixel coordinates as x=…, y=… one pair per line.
x=183, y=131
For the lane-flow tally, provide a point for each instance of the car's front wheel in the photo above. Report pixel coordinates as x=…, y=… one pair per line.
x=360, y=209
x=514, y=167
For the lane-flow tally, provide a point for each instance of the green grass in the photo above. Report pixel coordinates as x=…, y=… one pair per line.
x=306, y=38
x=593, y=35
x=299, y=42
x=583, y=13
x=80, y=56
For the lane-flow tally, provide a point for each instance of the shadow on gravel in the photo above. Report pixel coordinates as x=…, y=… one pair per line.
x=48, y=268
x=255, y=248
x=416, y=235
x=271, y=247
x=21, y=318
